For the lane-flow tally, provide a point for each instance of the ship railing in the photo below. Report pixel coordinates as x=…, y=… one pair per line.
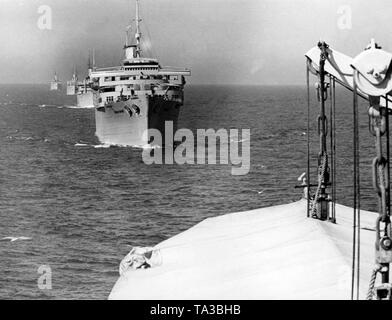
x=108, y=69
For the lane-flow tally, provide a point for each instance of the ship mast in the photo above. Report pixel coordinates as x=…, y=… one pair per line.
x=94, y=67
x=89, y=63
x=74, y=76
x=138, y=34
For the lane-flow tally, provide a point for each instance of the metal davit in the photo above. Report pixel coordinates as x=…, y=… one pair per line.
x=370, y=78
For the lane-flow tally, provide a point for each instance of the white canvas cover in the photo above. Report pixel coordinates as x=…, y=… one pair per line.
x=269, y=253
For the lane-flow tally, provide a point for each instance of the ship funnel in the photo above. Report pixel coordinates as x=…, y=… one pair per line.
x=130, y=52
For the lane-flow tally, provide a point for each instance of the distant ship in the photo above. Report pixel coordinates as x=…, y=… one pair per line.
x=136, y=96
x=83, y=90
x=55, y=84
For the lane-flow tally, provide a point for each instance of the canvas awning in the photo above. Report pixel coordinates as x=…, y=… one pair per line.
x=269, y=253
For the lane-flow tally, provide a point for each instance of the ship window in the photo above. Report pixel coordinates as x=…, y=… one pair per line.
x=109, y=89
x=124, y=78
x=113, y=78
x=109, y=99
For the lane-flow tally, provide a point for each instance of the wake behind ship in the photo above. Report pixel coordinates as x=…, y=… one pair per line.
x=136, y=96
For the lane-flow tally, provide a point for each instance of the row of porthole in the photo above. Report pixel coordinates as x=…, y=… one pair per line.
x=156, y=108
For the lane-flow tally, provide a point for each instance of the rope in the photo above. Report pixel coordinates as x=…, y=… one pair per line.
x=333, y=145
x=321, y=173
x=308, y=141
x=150, y=50
x=373, y=277
x=356, y=205
x=388, y=153
x=358, y=196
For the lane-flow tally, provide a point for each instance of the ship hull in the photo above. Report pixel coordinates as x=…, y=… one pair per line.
x=126, y=123
x=54, y=86
x=85, y=100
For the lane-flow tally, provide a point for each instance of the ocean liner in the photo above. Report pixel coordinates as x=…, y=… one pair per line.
x=83, y=91
x=136, y=96
x=55, y=84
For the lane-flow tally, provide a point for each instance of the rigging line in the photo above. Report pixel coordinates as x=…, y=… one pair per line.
x=334, y=149
x=388, y=194
x=388, y=162
x=331, y=142
x=308, y=142
x=358, y=193
x=151, y=49
x=330, y=136
x=355, y=196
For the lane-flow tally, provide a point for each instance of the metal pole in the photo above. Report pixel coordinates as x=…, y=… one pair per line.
x=308, y=142
x=332, y=145
x=385, y=275
x=334, y=151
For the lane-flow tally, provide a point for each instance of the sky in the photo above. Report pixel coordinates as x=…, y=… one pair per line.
x=246, y=42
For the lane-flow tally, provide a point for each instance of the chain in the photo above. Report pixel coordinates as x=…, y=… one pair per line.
x=378, y=126
x=319, y=205
x=380, y=176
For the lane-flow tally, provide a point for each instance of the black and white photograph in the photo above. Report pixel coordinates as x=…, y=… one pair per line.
x=195, y=151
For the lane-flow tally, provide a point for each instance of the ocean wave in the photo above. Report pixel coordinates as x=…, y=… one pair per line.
x=48, y=105
x=238, y=141
x=108, y=145
x=26, y=138
x=12, y=239
x=77, y=107
x=20, y=138
x=147, y=146
x=98, y=146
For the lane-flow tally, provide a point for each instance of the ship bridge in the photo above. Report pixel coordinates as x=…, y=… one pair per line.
x=140, y=61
